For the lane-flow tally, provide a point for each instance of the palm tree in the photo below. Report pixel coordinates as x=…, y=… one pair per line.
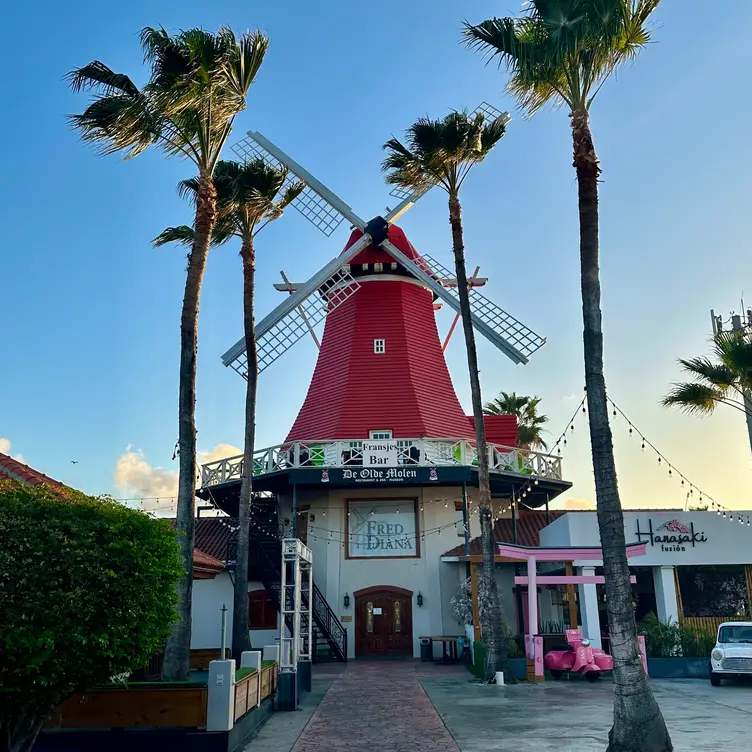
x=197, y=85
x=250, y=196
x=561, y=52
x=725, y=381
x=529, y=423
x=443, y=152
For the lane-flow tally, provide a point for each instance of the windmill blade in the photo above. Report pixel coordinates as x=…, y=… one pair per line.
x=408, y=199
x=512, y=337
x=490, y=112
x=289, y=322
x=320, y=206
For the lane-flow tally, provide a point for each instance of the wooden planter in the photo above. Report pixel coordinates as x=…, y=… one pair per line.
x=134, y=706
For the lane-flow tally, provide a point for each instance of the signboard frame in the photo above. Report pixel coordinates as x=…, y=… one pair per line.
x=376, y=501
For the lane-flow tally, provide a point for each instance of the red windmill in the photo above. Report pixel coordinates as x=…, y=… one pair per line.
x=381, y=371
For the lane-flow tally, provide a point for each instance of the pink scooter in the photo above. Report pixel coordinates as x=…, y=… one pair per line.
x=578, y=658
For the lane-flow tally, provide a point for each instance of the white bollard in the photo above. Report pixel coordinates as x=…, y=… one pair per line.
x=251, y=659
x=500, y=678
x=271, y=653
x=220, y=706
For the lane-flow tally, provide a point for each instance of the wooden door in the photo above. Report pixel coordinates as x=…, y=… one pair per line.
x=384, y=623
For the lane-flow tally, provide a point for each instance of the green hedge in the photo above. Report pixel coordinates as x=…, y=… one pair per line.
x=480, y=650
x=668, y=640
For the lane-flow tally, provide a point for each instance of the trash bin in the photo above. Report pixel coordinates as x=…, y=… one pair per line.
x=426, y=650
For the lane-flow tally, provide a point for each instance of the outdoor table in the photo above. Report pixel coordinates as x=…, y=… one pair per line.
x=449, y=652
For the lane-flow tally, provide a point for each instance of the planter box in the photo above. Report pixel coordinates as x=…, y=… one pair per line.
x=134, y=706
x=679, y=668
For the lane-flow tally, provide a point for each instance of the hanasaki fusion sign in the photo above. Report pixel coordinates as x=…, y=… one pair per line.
x=381, y=528
x=670, y=536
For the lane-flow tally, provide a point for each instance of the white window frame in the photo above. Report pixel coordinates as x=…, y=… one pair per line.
x=379, y=346
x=380, y=434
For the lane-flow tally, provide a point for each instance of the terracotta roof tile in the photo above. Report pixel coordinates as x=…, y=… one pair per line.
x=213, y=536
x=204, y=561
x=11, y=468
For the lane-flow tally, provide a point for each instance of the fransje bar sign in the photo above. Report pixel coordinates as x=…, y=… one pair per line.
x=671, y=535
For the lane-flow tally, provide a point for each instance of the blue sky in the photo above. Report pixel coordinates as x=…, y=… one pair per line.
x=89, y=362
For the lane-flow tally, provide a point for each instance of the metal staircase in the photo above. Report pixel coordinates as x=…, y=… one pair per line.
x=328, y=632
x=265, y=558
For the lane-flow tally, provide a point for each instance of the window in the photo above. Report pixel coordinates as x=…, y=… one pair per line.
x=262, y=611
x=379, y=346
x=379, y=434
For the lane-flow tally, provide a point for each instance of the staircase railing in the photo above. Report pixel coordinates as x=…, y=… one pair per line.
x=267, y=554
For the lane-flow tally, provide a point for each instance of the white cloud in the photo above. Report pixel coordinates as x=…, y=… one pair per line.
x=5, y=445
x=157, y=486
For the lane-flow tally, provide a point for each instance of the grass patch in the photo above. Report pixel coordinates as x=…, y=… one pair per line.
x=266, y=664
x=243, y=673
x=154, y=684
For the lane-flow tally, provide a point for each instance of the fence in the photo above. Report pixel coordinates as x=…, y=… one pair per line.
x=705, y=624
x=254, y=687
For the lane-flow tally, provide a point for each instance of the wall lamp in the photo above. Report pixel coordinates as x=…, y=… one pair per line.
x=346, y=600
x=419, y=599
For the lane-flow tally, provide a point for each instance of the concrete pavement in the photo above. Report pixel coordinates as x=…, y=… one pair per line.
x=411, y=707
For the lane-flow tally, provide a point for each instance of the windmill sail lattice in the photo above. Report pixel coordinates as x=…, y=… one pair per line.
x=522, y=337
x=277, y=340
x=315, y=208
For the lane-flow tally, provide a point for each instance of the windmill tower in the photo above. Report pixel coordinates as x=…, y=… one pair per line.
x=381, y=367
x=381, y=456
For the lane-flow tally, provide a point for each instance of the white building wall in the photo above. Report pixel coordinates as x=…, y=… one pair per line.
x=336, y=575
x=208, y=597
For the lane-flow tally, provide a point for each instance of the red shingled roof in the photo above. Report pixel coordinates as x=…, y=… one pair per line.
x=10, y=468
x=213, y=536
x=202, y=561
x=529, y=525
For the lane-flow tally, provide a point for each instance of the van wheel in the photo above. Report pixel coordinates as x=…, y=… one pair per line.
x=593, y=676
x=556, y=674
x=715, y=680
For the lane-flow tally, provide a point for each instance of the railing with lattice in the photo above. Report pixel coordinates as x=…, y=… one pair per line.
x=411, y=452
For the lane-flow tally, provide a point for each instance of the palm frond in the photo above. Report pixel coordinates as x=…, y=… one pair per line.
x=182, y=235
x=717, y=375
x=118, y=123
x=96, y=75
x=243, y=65
x=693, y=398
x=440, y=151
x=291, y=193
x=562, y=51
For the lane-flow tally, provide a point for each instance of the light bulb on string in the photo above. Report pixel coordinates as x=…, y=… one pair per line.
x=630, y=429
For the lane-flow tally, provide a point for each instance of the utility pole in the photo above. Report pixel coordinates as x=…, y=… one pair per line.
x=739, y=323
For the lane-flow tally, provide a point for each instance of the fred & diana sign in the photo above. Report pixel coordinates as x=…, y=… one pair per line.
x=671, y=535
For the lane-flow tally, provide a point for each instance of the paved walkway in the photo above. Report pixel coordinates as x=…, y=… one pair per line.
x=386, y=706
x=376, y=706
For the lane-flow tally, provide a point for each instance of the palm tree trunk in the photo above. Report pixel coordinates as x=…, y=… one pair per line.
x=497, y=646
x=177, y=654
x=638, y=722
x=240, y=638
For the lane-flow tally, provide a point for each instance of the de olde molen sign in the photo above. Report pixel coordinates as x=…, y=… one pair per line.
x=671, y=535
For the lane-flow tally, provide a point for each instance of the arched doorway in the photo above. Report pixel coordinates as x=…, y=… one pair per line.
x=383, y=621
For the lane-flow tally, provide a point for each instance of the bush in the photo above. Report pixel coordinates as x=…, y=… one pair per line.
x=87, y=592
x=670, y=639
x=480, y=651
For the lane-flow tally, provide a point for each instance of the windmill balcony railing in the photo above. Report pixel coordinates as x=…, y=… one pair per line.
x=414, y=452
